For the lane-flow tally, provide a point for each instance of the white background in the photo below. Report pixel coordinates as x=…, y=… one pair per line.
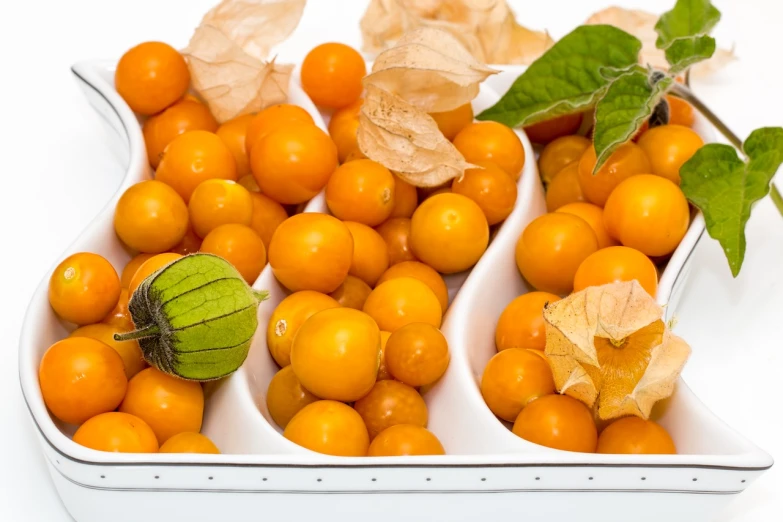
x=51, y=159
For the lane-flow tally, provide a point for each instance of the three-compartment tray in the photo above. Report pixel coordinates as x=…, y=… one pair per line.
x=488, y=471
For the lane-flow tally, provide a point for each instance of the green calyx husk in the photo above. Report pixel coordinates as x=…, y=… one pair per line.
x=195, y=318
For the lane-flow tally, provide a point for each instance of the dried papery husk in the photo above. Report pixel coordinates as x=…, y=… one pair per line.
x=227, y=55
x=503, y=40
x=609, y=347
x=486, y=28
x=429, y=69
x=641, y=24
x=406, y=140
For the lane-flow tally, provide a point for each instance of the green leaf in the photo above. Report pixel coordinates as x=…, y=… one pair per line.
x=684, y=52
x=570, y=77
x=628, y=103
x=687, y=19
x=724, y=186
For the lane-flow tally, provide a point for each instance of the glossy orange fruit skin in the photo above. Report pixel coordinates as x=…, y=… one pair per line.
x=564, y=188
x=189, y=442
x=240, y=246
x=424, y=273
x=417, y=354
x=559, y=422
x=521, y=324
x=286, y=396
x=635, y=436
x=288, y=317
x=83, y=288
x=629, y=159
x=594, y=215
x=81, y=377
x=271, y=119
x=311, y=252
x=268, y=214
x=129, y=351
x=449, y=232
x=190, y=243
x=492, y=141
x=648, y=213
x=361, y=191
x=353, y=293
x=370, y=253
x=149, y=267
x=332, y=75
x=512, y=379
x=453, y=121
x=490, y=188
x=559, y=153
x=403, y=440
x=233, y=133
x=336, y=352
x=120, y=316
x=396, y=233
x=151, y=76
x=390, y=403
x=616, y=264
x=168, y=404
x=669, y=147
x=151, y=217
x=293, y=162
x=550, y=250
x=192, y=158
x=545, y=131
x=343, y=127
x=161, y=129
x=383, y=372
x=117, y=432
x=406, y=199
x=680, y=112
x=329, y=427
x=401, y=301
x=218, y=202
x=131, y=267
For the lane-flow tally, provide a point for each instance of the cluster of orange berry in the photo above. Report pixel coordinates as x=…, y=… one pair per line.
x=615, y=225
x=361, y=325
x=229, y=189
x=609, y=227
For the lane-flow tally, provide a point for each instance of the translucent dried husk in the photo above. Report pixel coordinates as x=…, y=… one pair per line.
x=486, y=28
x=406, y=140
x=429, y=69
x=641, y=24
x=609, y=347
x=227, y=55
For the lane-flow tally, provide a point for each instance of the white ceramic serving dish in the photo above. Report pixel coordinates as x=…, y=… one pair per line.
x=488, y=472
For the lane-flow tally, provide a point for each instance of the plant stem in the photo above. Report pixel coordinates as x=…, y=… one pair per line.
x=777, y=199
x=686, y=94
x=138, y=334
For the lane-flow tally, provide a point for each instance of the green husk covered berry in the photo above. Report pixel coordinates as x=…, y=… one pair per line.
x=195, y=318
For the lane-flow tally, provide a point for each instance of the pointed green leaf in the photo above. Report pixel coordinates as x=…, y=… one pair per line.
x=684, y=52
x=570, y=77
x=628, y=103
x=688, y=18
x=724, y=186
